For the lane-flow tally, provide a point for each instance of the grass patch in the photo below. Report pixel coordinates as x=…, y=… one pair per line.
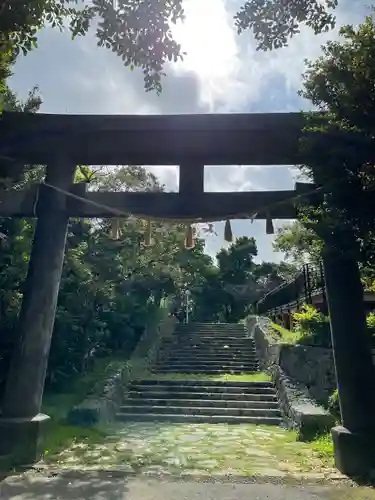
x=228, y=377
x=60, y=436
x=323, y=446
x=285, y=336
x=57, y=404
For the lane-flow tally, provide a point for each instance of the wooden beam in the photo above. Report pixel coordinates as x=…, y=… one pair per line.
x=212, y=139
x=191, y=182
x=162, y=205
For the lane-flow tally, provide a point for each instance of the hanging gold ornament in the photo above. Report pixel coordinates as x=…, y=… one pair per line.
x=189, y=238
x=269, y=225
x=148, y=236
x=228, y=235
x=115, y=228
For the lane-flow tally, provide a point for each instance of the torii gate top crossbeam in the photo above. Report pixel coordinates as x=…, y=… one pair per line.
x=206, y=139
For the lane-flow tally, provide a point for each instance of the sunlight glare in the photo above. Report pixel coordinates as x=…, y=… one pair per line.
x=209, y=38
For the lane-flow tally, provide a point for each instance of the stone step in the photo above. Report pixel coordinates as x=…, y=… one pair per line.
x=208, y=325
x=214, y=345
x=203, y=383
x=220, y=326
x=234, y=336
x=201, y=410
x=204, y=371
x=207, y=359
x=207, y=403
x=210, y=364
x=194, y=351
x=203, y=368
x=209, y=419
x=214, y=341
x=191, y=395
x=226, y=348
x=197, y=363
x=214, y=335
x=208, y=355
x=211, y=350
x=243, y=391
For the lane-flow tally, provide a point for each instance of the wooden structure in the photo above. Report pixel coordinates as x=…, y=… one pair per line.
x=306, y=287
x=190, y=141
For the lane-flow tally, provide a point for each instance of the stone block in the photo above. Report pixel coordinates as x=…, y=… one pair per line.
x=22, y=439
x=299, y=410
x=87, y=414
x=354, y=452
x=312, y=420
x=311, y=366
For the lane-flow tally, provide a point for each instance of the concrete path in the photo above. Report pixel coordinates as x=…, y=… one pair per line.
x=106, y=486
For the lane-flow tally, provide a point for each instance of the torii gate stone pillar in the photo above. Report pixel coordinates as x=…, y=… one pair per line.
x=21, y=422
x=354, y=440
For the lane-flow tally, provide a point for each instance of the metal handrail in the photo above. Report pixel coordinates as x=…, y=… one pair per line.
x=308, y=280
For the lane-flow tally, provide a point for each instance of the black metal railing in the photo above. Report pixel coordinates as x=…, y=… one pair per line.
x=309, y=281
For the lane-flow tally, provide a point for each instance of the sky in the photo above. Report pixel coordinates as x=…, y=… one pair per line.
x=222, y=73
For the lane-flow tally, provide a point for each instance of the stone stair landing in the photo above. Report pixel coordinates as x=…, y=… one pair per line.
x=206, y=352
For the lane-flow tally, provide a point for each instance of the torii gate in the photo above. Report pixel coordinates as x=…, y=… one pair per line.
x=191, y=141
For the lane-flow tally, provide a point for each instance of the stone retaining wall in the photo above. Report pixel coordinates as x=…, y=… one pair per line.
x=311, y=366
x=292, y=368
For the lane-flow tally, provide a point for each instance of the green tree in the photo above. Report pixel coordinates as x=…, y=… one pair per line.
x=110, y=289
x=274, y=22
x=227, y=291
x=140, y=32
x=272, y=274
x=299, y=243
x=339, y=149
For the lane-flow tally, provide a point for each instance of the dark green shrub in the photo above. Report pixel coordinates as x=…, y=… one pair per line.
x=312, y=327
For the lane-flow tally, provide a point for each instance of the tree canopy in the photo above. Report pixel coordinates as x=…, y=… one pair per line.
x=339, y=151
x=140, y=32
x=228, y=290
x=300, y=244
x=274, y=22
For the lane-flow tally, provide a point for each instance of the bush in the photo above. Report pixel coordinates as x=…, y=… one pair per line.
x=312, y=327
x=334, y=405
x=370, y=320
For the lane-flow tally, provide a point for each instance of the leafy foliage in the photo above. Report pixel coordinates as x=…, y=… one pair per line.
x=334, y=405
x=110, y=290
x=339, y=149
x=274, y=22
x=228, y=290
x=140, y=32
x=300, y=244
x=370, y=321
x=312, y=326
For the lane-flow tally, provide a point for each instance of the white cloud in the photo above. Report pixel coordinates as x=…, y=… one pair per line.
x=231, y=72
x=213, y=52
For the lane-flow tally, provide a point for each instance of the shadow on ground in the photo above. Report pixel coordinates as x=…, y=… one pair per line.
x=106, y=486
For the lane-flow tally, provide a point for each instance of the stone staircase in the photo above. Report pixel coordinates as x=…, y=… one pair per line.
x=204, y=351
